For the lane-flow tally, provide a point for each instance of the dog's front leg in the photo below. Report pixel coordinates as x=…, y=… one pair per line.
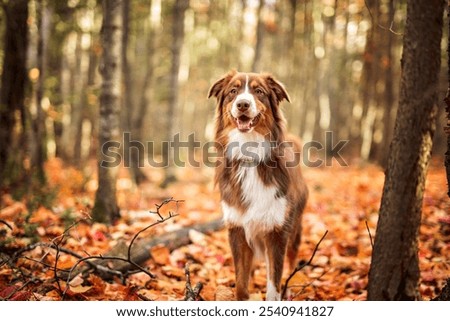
x=243, y=260
x=275, y=249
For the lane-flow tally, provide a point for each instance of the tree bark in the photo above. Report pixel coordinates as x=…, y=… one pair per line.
x=136, y=159
x=106, y=208
x=371, y=77
x=39, y=149
x=256, y=67
x=144, y=103
x=171, y=117
x=394, y=272
x=447, y=106
x=14, y=80
x=388, y=91
x=56, y=62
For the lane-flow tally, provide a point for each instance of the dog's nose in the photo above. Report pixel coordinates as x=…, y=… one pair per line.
x=243, y=104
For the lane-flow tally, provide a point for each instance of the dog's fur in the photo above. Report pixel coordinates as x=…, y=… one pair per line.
x=262, y=196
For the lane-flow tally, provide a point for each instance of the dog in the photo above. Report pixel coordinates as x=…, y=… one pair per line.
x=263, y=193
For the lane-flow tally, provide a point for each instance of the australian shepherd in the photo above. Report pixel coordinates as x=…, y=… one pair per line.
x=262, y=190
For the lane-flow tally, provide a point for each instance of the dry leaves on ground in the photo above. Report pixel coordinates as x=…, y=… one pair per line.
x=343, y=201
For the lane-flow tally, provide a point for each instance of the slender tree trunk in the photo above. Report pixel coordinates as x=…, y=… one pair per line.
x=78, y=104
x=14, y=79
x=371, y=75
x=56, y=69
x=447, y=105
x=240, y=36
x=39, y=133
x=144, y=103
x=106, y=208
x=388, y=91
x=256, y=67
x=171, y=117
x=90, y=115
x=57, y=38
x=292, y=25
x=394, y=272
x=128, y=106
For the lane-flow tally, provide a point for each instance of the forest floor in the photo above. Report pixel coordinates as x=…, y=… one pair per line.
x=343, y=201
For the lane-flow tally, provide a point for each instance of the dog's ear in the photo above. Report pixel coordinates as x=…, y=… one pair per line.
x=278, y=88
x=217, y=88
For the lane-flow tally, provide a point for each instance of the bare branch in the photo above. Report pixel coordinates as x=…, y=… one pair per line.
x=301, y=265
x=161, y=220
x=370, y=234
x=304, y=286
x=96, y=266
x=7, y=224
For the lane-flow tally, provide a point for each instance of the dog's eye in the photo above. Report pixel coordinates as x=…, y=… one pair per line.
x=233, y=91
x=259, y=91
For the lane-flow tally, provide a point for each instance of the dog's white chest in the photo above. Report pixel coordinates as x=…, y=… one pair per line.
x=265, y=211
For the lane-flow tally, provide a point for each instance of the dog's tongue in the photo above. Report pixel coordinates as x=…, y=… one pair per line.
x=244, y=123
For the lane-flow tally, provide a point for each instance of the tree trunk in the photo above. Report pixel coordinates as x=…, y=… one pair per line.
x=14, y=79
x=171, y=117
x=105, y=208
x=394, y=272
x=256, y=67
x=128, y=106
x=78, y=89
x=57, y=37
x=388, y=91
x=371, y=76
x=447, y=106
x=39, y=149
x=144, y=104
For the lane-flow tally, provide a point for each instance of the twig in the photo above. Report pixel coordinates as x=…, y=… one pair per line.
x=370, y=234
x=304, y=286
x=49, y=266
x=191, y=294
x=7, y=224
x=55, y=267
x=57, y=242
x=44, y=244
x=161, y=220
x=17, y=290
x=129, y=258
x=101, y=269
x=301, y=265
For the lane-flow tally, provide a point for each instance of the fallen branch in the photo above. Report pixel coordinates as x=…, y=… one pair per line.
x=140, y=251
x=191, y=294
x=129, y=259
x=121, y=261
x=301, y=265
x=7, y=224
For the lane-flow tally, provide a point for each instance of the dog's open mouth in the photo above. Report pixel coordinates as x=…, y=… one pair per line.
x=245, y=123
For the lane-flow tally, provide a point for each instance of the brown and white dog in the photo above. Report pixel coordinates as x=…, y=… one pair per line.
x=262, y=193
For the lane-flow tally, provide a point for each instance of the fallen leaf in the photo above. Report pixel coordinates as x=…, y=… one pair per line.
x=80, y=289
x=160, y=254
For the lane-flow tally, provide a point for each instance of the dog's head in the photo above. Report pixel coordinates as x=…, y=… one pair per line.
x=249, y=101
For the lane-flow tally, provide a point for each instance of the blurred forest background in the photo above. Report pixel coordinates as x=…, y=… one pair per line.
x=339, y=60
